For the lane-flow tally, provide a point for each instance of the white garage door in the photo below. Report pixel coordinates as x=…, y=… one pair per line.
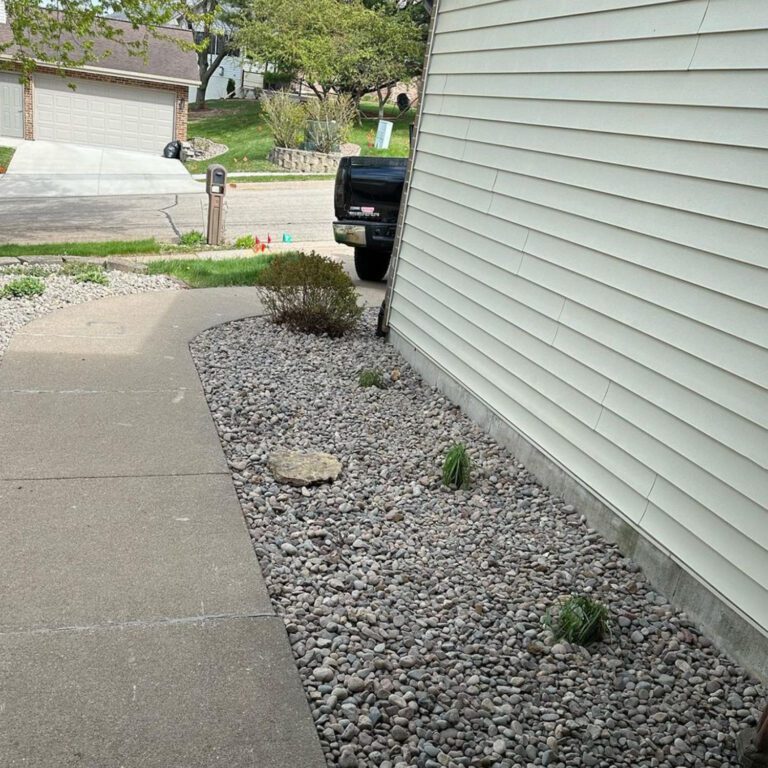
x=103, y=114
x=11, y=111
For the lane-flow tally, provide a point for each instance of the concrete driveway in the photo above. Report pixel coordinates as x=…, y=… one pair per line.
x=52, y=169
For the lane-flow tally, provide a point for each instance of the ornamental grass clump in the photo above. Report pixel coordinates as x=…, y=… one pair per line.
x=309, y=293
x=286, y=119
x=456, y=467
x=578, y=619
x=371, y=377
x=22, y=288
x=329, y=122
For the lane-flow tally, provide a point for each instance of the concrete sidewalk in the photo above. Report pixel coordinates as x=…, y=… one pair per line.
x=135, y=626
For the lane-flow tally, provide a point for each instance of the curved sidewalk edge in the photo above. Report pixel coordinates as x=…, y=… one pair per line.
x=135, y=626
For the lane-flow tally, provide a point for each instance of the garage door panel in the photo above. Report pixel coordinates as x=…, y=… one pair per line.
x=11, y=106
x=103, y=114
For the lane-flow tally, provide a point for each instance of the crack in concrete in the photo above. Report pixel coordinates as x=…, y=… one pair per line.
x=167, y=215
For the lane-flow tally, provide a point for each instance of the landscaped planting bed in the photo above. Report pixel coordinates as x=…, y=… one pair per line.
x=61, y=290
x=415, y=611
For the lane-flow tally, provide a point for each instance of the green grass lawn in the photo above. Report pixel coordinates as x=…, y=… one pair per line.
x=6, y=153
x=210, y=273
x=240, y=125
x=102, y=250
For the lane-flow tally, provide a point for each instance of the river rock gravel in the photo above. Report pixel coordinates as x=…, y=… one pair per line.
x=414, y=611
x=61, y=291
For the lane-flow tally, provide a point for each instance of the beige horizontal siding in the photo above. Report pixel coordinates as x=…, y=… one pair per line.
x=585, y=249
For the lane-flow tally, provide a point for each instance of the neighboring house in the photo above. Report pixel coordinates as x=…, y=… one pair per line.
x=230, y=68
x=583, y=266
x=121, y=101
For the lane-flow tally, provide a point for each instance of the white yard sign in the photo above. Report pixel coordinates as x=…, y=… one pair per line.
x=383, y=135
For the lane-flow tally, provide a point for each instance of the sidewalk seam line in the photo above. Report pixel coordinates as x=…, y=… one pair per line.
x=141, y=624
x=220, y=473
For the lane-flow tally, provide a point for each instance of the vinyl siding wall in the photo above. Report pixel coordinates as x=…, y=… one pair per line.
x=585, y=249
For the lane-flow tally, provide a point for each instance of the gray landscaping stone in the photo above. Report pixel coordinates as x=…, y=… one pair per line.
x=41, y=260
x=435, y=600
x=126, y=265
x=303, y=468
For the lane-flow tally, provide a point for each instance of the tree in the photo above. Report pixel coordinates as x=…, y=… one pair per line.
x=204, y=17
x=389, y=49
x=65, y=36
x=336, y=45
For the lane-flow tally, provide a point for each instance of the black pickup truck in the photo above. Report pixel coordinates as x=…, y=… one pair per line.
x=367, y=202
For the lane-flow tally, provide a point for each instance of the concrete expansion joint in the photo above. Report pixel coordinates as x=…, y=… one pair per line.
x=222, y=473
x=159, y=391
x=142, y=624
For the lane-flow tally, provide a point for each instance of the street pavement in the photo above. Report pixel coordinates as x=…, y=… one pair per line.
x=303, y=210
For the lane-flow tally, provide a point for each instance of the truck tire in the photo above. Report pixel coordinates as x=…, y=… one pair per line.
x=371, y=265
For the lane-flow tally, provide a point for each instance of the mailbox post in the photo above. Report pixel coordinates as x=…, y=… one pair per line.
x=216, y=187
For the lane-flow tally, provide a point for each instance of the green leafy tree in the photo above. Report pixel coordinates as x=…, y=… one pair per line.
x=67, y=35
x=336, y=45
x=389, y=49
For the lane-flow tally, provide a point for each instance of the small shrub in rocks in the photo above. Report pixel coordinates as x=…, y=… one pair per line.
x=73, y=268
x=28, y=270
x=192, y=239
x=246, y=241
x=457, y=467
x=24, y=287
x=95, y=275
x=578, y=619
x=371, y=377
x=309, y=293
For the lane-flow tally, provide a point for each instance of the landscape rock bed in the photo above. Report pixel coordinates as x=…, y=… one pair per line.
x=199, y=148
x=61, y=291
x=414, y=611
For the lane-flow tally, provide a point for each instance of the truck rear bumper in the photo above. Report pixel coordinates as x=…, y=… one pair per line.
x=350, y=234
x=365, y=234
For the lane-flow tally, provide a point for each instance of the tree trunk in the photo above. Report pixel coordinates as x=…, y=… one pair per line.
x=206, y=72
x=384, y=100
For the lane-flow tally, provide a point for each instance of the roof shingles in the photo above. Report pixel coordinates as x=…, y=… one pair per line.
x=165, y=59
